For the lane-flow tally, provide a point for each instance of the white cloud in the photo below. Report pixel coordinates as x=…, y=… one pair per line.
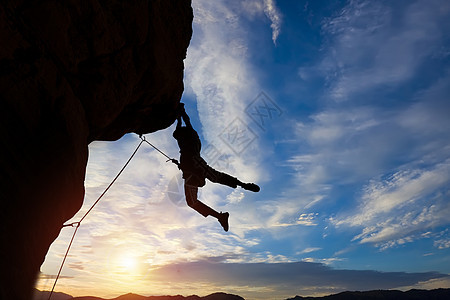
x=344, y=147
x=309, y=250
x=372, y=44
x=401, y=189
x=434, y=283
x=220, y=77
x=307, y=219
x=355, y=146
x=325, y=261
x=442, y=244
x=408, y=202
x=427, y=117
x=258, y=8
x=370, y=53
x=274, y=15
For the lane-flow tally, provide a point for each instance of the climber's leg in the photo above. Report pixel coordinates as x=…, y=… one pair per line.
x=222, y=178
x=192, y=201
x=219, y=177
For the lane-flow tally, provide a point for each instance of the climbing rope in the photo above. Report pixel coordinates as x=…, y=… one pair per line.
x=168, y=158
x=77, y=224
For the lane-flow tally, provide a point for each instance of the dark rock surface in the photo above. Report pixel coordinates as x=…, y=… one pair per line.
x=72, y=72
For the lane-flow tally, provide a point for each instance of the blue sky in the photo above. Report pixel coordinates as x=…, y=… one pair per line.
x=339, y=110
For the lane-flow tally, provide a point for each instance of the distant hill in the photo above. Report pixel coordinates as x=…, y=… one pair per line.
x=215, y=296
x=438, y=294
x=43, y=295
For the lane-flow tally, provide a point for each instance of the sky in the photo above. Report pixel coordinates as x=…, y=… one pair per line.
x=339, y=110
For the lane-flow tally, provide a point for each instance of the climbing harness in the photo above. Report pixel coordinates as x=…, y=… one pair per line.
x=78, y=223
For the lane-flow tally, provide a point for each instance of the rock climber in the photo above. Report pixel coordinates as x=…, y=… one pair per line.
x=196, y=170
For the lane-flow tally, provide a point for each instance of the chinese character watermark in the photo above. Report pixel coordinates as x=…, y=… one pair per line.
x=175, y=190
x=238, y=136
x=263, y=109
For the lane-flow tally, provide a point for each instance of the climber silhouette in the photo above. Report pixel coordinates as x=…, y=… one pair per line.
x=196, y=170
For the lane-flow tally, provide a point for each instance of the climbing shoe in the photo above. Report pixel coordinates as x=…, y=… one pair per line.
x=251, y=187
x=223, y=220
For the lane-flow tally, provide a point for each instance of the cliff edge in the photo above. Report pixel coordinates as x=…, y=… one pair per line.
x=72, y=72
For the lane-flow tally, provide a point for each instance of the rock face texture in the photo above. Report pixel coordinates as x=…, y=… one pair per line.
x=72, y=72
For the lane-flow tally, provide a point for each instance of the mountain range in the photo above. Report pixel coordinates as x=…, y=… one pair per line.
x=41, y=295
x=437, y=294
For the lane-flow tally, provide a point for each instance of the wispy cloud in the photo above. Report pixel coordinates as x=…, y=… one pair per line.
x=401, y=147
x=219, y=75
x=442, y=243
x=307, y=219
x=309, y=250
x=431, y=284
x=325, y=261
x=372, y=44
x=274, y=15
x=303, y=219
x=400, y=190
x=258, y=9
x=411, y=200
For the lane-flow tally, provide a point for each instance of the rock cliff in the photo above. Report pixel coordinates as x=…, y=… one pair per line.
x=72, y=72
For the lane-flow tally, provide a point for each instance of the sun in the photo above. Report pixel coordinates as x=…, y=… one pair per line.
x=128, y=262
